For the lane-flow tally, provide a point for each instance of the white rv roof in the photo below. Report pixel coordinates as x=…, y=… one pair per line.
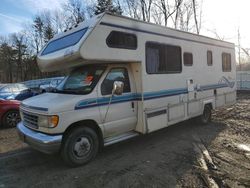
x=87, y=42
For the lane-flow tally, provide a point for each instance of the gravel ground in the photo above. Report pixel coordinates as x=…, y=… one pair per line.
x=166, y=158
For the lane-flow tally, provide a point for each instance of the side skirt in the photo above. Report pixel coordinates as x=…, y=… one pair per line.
x=120, y=138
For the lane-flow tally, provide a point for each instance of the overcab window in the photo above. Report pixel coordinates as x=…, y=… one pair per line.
x=64, y=42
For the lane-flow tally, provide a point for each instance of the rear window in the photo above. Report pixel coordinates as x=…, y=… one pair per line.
x=64, y=42
x=209, y=58
x=226, y=62
x=188, y=59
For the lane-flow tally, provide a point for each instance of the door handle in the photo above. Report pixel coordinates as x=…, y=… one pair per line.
x=132, y=104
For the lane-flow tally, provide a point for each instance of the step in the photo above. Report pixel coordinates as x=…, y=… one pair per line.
x=119, y=138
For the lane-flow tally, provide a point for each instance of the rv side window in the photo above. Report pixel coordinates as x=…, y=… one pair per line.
x=163, y=59
x=116, y=74
x=226, y=62
x=188, y=59
x=117, y=39
x=209, y=58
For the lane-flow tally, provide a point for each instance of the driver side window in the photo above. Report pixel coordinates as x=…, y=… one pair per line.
x=115, y=74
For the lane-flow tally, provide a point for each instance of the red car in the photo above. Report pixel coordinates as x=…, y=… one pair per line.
x=9, y=112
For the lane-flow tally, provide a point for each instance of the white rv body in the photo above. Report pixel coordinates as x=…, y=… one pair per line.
x=155, y=100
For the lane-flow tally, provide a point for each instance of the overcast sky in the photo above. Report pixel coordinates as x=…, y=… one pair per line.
x=221, y=16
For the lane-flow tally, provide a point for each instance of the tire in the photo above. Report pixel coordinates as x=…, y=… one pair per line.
x=205, y=118
x=80, y=146
x=11, y=118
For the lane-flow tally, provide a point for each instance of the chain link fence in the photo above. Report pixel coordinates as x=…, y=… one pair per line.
x=243, y=80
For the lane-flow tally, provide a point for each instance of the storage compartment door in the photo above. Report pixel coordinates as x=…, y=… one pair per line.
x=156, y=119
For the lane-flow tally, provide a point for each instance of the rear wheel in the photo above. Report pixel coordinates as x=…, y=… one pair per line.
x=11, y=118
x=206, y=116
x=80, y=146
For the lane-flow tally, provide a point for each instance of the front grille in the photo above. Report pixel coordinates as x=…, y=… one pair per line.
x=30, y=120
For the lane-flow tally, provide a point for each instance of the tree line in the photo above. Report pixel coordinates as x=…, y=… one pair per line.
x=18, y=50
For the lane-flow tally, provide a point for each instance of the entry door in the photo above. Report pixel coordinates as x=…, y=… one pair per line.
x=121, y=115
x=194, y=105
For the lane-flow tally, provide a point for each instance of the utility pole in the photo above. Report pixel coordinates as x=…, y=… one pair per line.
x=239, y=51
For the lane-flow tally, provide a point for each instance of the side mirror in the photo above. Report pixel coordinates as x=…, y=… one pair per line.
x=118, y=88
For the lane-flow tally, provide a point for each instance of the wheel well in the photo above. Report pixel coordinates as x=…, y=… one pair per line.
x=209, y=105
x=4, y=114
x=87, y=123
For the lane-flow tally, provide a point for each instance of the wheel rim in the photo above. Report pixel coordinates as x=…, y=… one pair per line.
x=82, y=146
x=12, y=119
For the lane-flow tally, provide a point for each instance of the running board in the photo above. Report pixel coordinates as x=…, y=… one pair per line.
x=119, y=138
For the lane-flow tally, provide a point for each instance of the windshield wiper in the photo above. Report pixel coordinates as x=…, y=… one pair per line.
x=70, y=91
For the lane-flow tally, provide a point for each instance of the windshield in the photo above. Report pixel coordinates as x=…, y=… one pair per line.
x=81, y=80
x=2, y=86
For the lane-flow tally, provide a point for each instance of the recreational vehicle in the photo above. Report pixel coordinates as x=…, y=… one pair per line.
x=127, y=78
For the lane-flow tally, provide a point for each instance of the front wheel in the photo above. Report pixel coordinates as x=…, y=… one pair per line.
x=11, y=118
x=80, y=146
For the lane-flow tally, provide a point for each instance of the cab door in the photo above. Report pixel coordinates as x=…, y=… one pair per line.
x=118, y=113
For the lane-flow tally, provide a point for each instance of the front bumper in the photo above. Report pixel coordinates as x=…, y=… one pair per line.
x=42, y=142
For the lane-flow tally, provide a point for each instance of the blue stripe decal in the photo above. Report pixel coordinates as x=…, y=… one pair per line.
x=164, y=93
x=105, y=100
x=163, y=35
x=138, y=96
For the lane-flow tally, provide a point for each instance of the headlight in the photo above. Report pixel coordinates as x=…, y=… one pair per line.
x=48, y=121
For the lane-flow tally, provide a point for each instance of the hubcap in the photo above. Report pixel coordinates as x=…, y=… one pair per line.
x=82, y=146
x=12, y=119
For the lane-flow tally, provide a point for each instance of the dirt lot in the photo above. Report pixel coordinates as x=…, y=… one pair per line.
x=167, y=158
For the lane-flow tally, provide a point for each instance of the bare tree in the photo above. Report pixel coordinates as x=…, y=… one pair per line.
x=165, y=9
x=185, y=16
x=107, y=5
x=48, y=30
x=177, y=12
x=74, y=12
x=146, y=6
x=38, y=31
x=131, y=6
x=57, y=20
x=7, y=60
x=197, y=7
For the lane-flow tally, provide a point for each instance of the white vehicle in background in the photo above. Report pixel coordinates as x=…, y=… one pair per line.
x=127, y=78
x=50, y=84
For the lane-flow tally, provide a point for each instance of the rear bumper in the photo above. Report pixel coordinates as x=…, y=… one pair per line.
x=42, y=142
